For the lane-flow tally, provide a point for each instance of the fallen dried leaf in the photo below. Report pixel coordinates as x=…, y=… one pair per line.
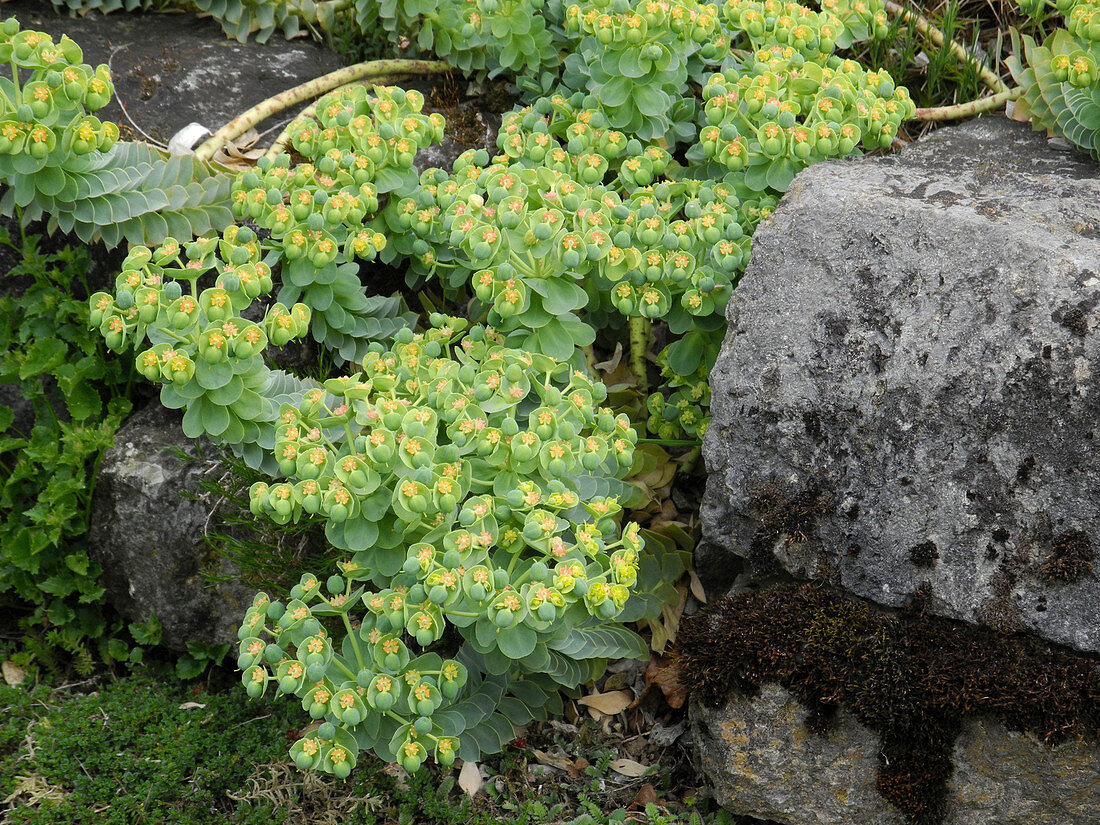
x=561, y=762
x=611, y=363
x=608, y=704
x=469, y=779
x=662, y=673
x=646, y=795
x=192, y=705
x=697, y=587
x=13, y=674
x=239, y=154
x=628, y=767
x=581, y=763
x=617, y=681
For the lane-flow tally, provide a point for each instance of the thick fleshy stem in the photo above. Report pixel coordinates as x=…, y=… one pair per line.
x=279, y=146
x=974, y=107
x=925, y=27
x=639, y=342
x=688, y=462
x=313, y=88
x=590, y=359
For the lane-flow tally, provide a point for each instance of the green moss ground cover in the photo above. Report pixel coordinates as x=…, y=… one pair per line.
x=148, y=749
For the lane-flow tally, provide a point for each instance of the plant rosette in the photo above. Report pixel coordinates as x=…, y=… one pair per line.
x=447, y=468
x=1059, y=78
x=358, y=148
x=208, y=358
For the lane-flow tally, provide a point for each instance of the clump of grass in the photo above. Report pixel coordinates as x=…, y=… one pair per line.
x=934, y=76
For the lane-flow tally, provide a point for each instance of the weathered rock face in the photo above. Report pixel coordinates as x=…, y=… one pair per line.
x=148, y=537
x=765, y=762
x=909, y=393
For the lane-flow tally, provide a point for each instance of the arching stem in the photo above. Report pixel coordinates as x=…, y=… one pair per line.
x=925, y=27
x=974, y=107
x=313, y=88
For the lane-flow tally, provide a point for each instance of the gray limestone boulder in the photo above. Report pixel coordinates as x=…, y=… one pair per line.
x=909, y=394
x=764, y=761
x=147, y=535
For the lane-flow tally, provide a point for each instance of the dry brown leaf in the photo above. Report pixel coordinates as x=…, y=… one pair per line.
x=697, y=587
x=628, y=767
x=581, y=763
x=561, y=762
x=620, y=376
x=192, y=705
x=469, y=779
x=607, y=704
x=611, y=363
x=239, y=153
x=663, y=630
x=13, y=674
x=617, y=681
x=666, y=677
x=646, y=795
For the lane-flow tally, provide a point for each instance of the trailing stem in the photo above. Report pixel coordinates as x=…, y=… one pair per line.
x=974, y=107
x=314, y=88
x=639, y=343
x=925, y=27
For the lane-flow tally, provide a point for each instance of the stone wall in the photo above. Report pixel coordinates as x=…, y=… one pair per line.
x=905, y=408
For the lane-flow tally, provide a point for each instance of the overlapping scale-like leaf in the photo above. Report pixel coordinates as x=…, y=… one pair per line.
x=1060, y=90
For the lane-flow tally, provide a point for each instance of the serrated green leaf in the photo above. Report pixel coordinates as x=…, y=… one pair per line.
x=42, y=356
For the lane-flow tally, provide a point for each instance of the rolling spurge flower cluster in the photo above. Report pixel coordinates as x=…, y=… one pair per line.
x=566, y=232
x=60, y=162
x=779, y=113
x=208, y=358
x=360, y=147
x=52, y=107
x=447, y=468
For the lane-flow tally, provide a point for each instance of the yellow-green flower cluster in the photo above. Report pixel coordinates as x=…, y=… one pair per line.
x=448, y=467
x=358, y=147
x=781, y=113
x=207, y=356
x=51, y=107
x=634, y=60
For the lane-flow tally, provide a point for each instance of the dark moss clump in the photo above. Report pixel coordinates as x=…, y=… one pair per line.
x=912, y=677
x=782, y=514
x=924, y=554
x=1071, y=556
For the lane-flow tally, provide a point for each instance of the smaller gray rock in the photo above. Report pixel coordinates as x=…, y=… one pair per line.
x=148, y=537
x=763, y=761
